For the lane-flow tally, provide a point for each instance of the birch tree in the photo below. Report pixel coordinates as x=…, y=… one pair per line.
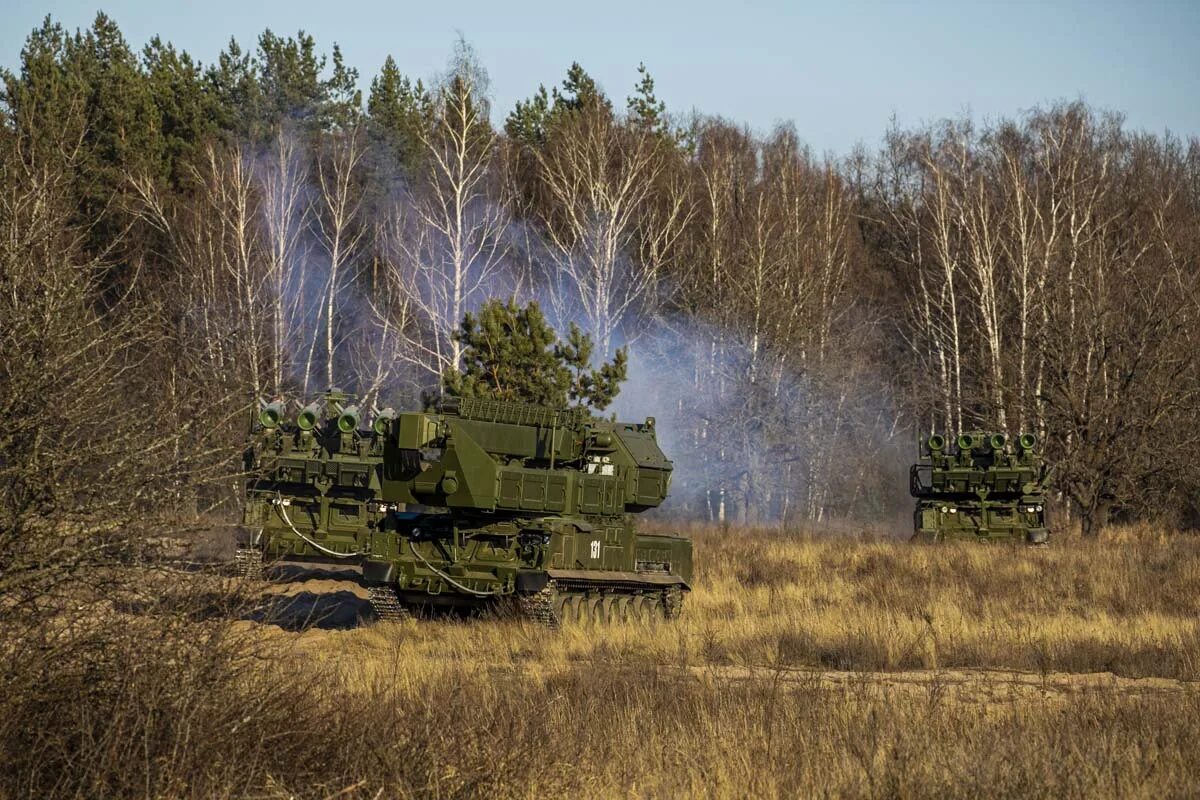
x=338, y=202
x=282, y=182
x=219, y=273
x=448, y=238
x=599, y=176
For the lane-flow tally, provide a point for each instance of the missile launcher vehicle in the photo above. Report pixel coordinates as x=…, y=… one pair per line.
x=477, y=504
x=980, y=487
x=313, y=490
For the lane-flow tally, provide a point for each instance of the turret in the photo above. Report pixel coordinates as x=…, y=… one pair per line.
x=500, y=456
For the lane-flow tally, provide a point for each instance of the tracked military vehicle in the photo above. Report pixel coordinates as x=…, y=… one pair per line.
x=313, y=491
x=478, y=504
x=980, y=486
x=525, y=506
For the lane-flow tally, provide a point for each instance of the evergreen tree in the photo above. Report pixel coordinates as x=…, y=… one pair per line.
x=646, y=111
x=123, y=120
x=290, y=74
x=527, y=122
x=579, y=92
x=45, y=101
x=599, y=387
x=233, y=84
x=512, y=353
x=531, y=120
x=343, y=103
x=187, y=117
x=123, y=138
x=398, y=114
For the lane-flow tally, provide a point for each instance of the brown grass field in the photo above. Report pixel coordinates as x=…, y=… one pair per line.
x=803, y=667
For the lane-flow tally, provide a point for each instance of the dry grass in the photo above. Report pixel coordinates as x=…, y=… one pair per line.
x=773, y=601
x=802, y=667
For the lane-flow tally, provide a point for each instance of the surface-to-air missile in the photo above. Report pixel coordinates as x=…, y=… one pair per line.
x=980, y=486
x=484, y=502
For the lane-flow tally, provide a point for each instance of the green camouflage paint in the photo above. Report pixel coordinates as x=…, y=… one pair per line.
x=980, y=486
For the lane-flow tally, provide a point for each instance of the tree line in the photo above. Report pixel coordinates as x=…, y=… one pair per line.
x=179, y=238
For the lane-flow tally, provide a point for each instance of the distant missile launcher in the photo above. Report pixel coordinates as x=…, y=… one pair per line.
x=980, y=486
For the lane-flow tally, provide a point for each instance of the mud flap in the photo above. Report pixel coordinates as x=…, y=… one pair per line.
x=379, y=572
x=532, y=582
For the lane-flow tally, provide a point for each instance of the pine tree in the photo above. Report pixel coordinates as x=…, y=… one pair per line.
x=531, y=120
x=123, y=139
x=398, y=111
x=238, y=103
x=579, y=92
x=343, y=102
x=290, y=74
x=527, y=122
x=187, y=116
x=45, y=101
x=511, y=352
x=596, y=388
x=646, y=111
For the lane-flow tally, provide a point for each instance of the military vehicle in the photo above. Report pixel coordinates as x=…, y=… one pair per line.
x=313, y=489
x=477, y=504
x=980, y=486
x=526, y=504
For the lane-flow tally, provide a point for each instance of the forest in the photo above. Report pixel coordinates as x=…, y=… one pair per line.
x=179, y=238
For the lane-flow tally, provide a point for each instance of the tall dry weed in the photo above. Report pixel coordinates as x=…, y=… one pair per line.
x=170, y=694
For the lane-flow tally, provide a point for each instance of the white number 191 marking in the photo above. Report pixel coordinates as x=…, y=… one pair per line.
x=595, y=548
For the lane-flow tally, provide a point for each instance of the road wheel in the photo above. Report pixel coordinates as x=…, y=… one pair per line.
x=594, y=609
x=649, y=611
x=619, y=612
x=572, y=613
x=562, y=608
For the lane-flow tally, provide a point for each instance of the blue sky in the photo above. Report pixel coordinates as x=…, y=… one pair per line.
x=838, y=70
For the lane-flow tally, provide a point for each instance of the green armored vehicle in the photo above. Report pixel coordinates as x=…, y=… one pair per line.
x=479, y=503
x=527, y=505
x=980, y=487
x=314, y=488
